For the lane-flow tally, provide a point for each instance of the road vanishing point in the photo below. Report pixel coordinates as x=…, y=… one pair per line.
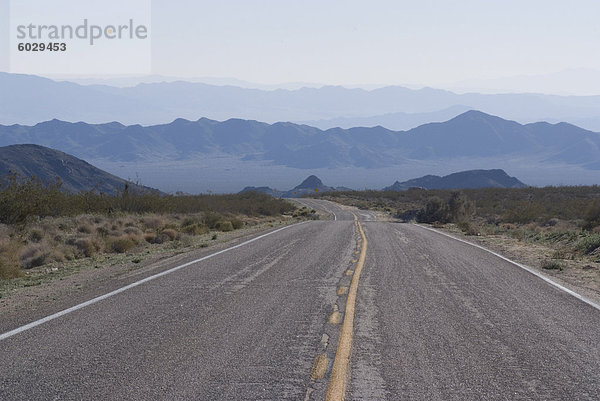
x=347, y=308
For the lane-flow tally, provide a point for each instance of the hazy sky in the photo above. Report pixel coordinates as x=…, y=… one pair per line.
x=377, y=41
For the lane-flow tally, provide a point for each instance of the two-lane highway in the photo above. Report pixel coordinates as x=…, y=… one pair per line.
x=246, y=324
x=434, y=318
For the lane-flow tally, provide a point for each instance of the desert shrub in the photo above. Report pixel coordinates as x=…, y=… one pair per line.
x=170, y=233
x=591, y=216
x=67, y=252
x=550, y=222
x=211, y=219
x=21, y=199
x=122, y=244
x=150, y=237
x=436, y=210
x=190, y=221
x=524, y=212
x=588, y=244
x=558, y=254
x=34, y=256
x=132, y=230
x=224, y=225
x=152, y=222
x=57, y=255
x=36, y=235
x=459, y=207
x=195, y=229
x=85, y=228
x=87, y=246
x=467, y=228
x=103, y=230
x=236, y=223
x=161, y=238
x=407, y=215
x=9, y=269
x=9, y=259
x=551, y=265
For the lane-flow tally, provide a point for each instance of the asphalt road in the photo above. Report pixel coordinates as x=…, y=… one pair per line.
x=438, y=319
x=435, y=319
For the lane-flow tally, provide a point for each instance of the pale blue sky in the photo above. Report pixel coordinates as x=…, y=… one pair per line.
x=378, y=41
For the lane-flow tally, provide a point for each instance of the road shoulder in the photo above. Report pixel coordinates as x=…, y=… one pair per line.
x=54, y=292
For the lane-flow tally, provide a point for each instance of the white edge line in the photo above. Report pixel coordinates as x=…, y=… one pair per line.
x=132, y=285
x=529, y=269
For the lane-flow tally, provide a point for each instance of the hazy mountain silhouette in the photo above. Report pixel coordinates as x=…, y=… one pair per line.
x=28, y=99
x=312, y=184
x=395, y=121
x=464, y=179
x=48, y=165
x=470, y=135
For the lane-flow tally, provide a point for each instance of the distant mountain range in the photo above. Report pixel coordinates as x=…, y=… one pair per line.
x=48, y=165
x=394, y=121
x=28, y=99
x=311, y=185
x=464, y=179
x=77, y=175
x=471, y=135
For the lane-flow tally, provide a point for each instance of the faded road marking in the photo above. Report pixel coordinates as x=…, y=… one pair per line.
x=339, y=373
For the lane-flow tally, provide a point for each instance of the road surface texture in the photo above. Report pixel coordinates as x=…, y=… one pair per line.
x=434, y=319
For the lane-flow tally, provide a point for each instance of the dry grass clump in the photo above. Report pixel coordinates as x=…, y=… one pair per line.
x=123, y=244
x=9, y=269
x=133, y=231
x=153, y=222
x=170, y=233
x=150, y=237
x=195, y=229
x=551, y=265
x=224, y=225
x=9, y=265
x=236, y=223
x=36, y=235
x=85, y=228
x=34, y=255
x=89, y=246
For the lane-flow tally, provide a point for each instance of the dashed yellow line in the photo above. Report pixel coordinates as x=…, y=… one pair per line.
x=319, y=367
x=339, y=373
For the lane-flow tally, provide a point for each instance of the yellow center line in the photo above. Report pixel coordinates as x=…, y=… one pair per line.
x=338, y=380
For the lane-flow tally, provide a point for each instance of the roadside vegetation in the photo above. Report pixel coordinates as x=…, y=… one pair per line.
x=40, y=225
x=566, y=220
